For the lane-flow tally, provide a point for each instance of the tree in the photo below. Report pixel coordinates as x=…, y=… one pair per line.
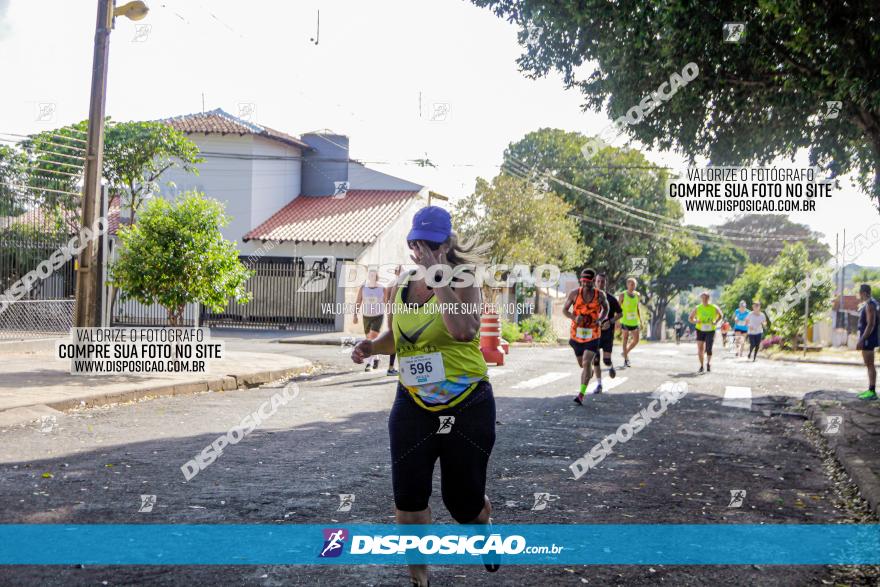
x=55, y=162
x=136, y=154
x=773, y=230
x=791, y=268
x=744, y=287
x=751, y=102
x=620, y=177
x=521, y=224
x=13, y=176
x=715, y=265
x=865, y=275
x=175, y=255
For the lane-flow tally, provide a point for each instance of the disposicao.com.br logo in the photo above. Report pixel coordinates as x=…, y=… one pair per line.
x=431, y=544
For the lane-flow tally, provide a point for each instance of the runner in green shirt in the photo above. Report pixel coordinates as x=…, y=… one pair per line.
x=706, y=317
x=631, y=321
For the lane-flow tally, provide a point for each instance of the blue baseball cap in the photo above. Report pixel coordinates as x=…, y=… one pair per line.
x=431, y=223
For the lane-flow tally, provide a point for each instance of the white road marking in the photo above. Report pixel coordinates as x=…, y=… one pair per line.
x=496, y=371
x=737, y=397
x=544, y=379
x=607, y=384
x=666, y=387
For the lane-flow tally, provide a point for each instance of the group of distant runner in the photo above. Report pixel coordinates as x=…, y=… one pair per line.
x=595, y=314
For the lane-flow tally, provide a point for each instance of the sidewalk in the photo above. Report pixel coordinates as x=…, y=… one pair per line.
x=852, y=358
x=852, y=429
x=34, y=384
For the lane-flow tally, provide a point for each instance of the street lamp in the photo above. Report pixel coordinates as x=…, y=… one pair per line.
x=86, y=312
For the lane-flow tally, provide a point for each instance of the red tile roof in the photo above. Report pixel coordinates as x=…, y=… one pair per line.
x=850, y=304
x=359, y=217
x=220, y=122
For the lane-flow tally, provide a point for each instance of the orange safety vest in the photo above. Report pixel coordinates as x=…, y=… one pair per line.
x=591, y=310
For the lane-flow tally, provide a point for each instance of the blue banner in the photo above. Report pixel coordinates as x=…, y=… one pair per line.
x=527, y=544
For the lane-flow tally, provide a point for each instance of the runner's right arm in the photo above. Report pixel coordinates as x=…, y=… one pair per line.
x=566, y=310
x=357, y=303
x=382, y=344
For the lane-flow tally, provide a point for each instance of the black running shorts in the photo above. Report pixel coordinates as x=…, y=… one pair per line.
x=463, y=447
x=708, y=337
x=580, y=347
x=606, y=341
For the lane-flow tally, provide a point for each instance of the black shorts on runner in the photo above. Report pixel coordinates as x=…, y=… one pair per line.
x=606, y=341
x=373, y=323
x=627, y=327
x=872, y=342
x=580, y=347
x=463, y=452
x=708, y=337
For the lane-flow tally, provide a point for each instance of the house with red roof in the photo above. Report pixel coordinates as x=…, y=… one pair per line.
x=301, y=210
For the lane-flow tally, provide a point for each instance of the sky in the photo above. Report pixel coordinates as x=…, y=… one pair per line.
x=373, y=63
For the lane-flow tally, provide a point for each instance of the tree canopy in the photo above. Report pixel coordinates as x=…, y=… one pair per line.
x=602, y=192
x=753, y=101
x=520, y=223
x=773, y=230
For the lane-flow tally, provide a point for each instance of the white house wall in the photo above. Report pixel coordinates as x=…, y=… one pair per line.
x=276, y=182
x=229, y=180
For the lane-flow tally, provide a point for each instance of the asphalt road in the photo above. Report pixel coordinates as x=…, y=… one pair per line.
x=735, y=430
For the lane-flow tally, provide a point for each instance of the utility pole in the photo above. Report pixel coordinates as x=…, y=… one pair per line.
x=87, y=309
x=836, y=289
x=806, y=320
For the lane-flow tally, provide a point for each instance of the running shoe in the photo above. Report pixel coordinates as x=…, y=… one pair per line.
x=868, y=395
x=392, y=372
x=598, y=389
x=369, y=367
x=579, y=400
x=492, y=562
x=626, y=362
x=708, y=368
x=701, y=369
x=611, y=372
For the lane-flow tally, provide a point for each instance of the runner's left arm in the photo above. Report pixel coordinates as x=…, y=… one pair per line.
x=603, y=299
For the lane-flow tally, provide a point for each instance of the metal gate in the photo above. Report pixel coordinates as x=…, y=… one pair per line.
x=28, y=237
x=285, y=294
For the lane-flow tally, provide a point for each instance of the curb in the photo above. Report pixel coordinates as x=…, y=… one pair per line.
x=795, y=360
x=862, y=476
x=314, y=341
x=220, y=383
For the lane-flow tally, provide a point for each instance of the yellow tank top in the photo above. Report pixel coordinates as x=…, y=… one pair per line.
x=425, y=348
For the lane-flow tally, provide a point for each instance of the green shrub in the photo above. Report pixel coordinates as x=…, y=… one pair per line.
x=540, y=327
x=510, y=331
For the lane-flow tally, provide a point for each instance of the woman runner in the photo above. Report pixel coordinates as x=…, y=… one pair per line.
x=442, y=374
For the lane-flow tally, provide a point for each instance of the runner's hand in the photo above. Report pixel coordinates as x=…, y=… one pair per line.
x=606, y=324
x=859, y=345
x=361, y=351
x=424, y=256
x=355, y=318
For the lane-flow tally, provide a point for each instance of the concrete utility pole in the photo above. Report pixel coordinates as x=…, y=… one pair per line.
x=87, y=286
x=87, y=311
